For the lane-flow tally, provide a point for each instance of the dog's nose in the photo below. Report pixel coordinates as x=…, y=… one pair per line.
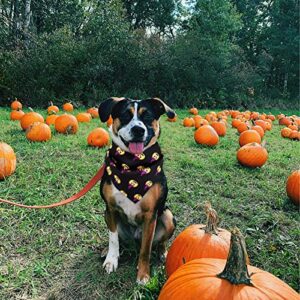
x=138, y=131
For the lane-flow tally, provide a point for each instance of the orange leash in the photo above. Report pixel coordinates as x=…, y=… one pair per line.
x=87, y=187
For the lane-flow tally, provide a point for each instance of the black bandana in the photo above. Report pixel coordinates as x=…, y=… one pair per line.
x=134, y=174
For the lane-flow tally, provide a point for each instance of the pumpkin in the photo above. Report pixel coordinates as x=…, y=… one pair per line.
x=252, y=155
x=218, y=279
x=52, y=109
x=16, y=115
x=243, y=127
x=259, y=130
x=279, y=116
x=285, y=121
x=293, y=135
x=206, y=135
x=200, y=122
x=236, y=122
x=38, y=132
x=234, y=114
x=98, y=137
x=197, y=117
x=249, y=136
x=198, y=241
x=293, y=127
x=172, y=119
x=193, y=111
x=188, y=122
x=83, y=117
x=271, y=117
x=254, y=115
x=109, y=121
x=293, y=187
x=50, y=120
x=261, y=123
x=93, y=111
x=268, y=124
x=285, y=132
x=16, y=105
x=29, y=118
x=7, y=160
x=220, y=127
x=68, y=107
x=66, y=124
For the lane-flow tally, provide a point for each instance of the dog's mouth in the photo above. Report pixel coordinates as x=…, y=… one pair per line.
x=135, y=147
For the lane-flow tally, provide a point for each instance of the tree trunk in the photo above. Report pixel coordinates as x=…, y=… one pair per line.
x=27, y=22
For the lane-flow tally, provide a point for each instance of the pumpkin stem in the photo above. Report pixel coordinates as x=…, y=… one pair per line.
x=212, y=219
x=236, y=271
x=30, y=109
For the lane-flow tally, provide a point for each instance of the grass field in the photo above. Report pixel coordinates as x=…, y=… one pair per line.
x=55, y=254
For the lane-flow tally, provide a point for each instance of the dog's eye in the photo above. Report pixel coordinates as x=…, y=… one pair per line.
x=147, y=118
x=126, y=117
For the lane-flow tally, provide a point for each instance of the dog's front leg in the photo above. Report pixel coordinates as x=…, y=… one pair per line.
x=149, y=225
x=111, y=262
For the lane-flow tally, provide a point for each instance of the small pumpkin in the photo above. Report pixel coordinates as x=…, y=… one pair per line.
x=193, y=111
x=93, y=111
x=293, y=135
x=218, y=279
x=50, y=120
x=172, y=120
x=109, y=121
x=98, y=137
x=16, y=115
x=206, y=135
x=261, y=123
x=38, y=132
x=271, y=117
x=67, y=124
x=293, y=127
x=243, y=127
x=235, y=123
x=252, y=155
x=259, y=130
x=52, y=109
x=84, y=117
x=8, y=160
x=293, y=187
x=16, y=105
x=68, y=107
x=188, y=122
x=198, y=241
x=220, y=127
x=286, y=121
x=249, y=136
x=200, y=122
x=29, y=118
x=285, y=132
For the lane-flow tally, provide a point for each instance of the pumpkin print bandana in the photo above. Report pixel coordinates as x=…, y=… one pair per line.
x=134, y=174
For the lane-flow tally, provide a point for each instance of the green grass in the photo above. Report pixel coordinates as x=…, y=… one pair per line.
x=56, y=253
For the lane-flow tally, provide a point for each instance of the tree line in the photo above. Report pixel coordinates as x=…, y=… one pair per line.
x=209, y=53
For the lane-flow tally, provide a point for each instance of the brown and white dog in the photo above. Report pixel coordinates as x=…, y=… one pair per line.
x=143, y=217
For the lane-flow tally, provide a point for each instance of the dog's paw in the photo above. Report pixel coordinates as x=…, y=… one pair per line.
x=110, y=264
x=142, y=280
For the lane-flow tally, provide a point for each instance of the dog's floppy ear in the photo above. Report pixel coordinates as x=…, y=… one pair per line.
x=160, y=108
x=106, y=107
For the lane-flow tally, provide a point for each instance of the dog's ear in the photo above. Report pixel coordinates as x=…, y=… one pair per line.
x=106, y=107
x=160, y=108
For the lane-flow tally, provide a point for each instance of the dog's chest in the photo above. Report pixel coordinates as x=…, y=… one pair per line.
x=129, y=208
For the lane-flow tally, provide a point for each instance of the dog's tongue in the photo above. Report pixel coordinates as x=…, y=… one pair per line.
x=136, y=148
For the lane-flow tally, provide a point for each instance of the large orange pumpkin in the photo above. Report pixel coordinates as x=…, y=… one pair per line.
x=7, y=160
x=206, y=135
x=16, y=115
x=83, y=117
x=38, y=132
x=93, y=111
x=249, y=136
x=52, y=109
x=293, y=187
x=252, y=155
x=50, y=120
x=236, y=122
x=218, y=279
x=243, y=127
x=198, y=241
x=68, y=107
x=220, y=127
x=285, y=121
x=66, y=124
x=29, y=118
x=16, y=105
x=285, y=132
x=98, y=137
x=188, y=122
x=259, y=130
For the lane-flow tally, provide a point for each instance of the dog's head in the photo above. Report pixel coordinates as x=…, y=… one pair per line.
x=135, y=122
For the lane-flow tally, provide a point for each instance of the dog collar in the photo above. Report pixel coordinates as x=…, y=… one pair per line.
x=134, y=174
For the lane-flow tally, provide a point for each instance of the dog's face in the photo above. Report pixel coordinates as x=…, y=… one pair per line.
x=135, y=122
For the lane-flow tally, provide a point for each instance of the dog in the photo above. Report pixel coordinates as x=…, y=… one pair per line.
x=134, y=186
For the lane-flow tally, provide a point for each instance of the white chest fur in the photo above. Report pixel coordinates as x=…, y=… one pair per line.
x=129, y=208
